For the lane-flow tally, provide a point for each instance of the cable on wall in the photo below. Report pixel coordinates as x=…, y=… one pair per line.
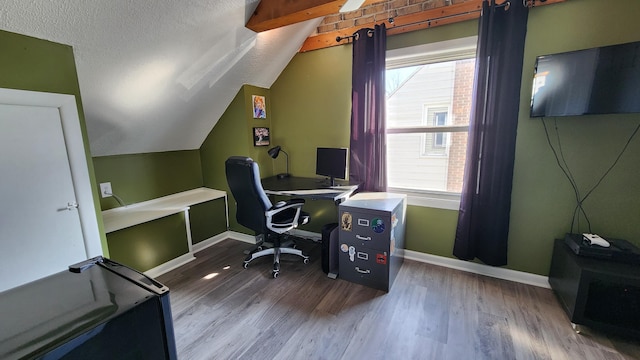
x=118, y=199
x=562, y=163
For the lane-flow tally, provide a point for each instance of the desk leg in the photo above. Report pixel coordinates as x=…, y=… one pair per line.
x=188, y=225
x=226, y=210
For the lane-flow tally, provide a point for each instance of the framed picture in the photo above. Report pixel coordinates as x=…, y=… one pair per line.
x=260, y=136
x=259, y=107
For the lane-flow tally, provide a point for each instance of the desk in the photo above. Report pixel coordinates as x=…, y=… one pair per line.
x=314, y=188
x=161, y=250
x=135, y=214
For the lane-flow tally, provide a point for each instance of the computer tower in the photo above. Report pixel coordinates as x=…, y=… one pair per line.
x=330, y=250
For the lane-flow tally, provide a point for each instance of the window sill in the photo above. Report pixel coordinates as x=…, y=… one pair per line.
x=436, y=200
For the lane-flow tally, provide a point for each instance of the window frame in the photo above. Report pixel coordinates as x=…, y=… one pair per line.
x=449, y=50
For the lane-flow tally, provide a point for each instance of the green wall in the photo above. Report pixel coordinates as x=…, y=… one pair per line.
x=233, y=135
x=207, y=219
x=141, y=177
x=28, y=63
x=311, y=101
x=543, y=201
x=150, y=244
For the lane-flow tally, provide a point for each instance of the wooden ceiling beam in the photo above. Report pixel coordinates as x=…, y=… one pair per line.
x=271, y=14
x=401, y=24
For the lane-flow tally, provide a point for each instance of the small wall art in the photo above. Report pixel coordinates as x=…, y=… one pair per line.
x=259, y=107
x=260, y=136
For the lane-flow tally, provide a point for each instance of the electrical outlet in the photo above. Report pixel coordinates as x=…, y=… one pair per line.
x=105, y=189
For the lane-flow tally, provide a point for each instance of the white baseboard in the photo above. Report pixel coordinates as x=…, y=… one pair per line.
x=241, y=237
x=188, y=257
x=481, y=269
x=170, y=265
x=468, y=266
x=210, y=241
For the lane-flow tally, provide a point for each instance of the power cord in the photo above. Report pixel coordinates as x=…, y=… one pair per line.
x=567, y=172
x=118, y=199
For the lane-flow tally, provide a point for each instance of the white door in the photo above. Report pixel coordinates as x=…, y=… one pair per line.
x=41, y=232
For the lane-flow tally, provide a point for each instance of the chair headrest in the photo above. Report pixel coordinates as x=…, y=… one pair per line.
x=240, y=160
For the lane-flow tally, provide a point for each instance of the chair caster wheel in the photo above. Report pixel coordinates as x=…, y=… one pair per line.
x=245, y=265
x=275, y=274
x=576, y=328
x=306, y=260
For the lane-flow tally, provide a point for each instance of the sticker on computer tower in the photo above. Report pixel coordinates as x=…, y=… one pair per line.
x=344, y=247
x=363, y=222
x=347, y=221
x=381, y=259
x=377, y=225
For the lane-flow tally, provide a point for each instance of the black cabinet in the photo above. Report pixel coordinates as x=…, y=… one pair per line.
x=104, y=311
x=597, y=293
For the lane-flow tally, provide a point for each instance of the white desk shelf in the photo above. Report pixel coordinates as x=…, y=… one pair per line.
x=138, y=213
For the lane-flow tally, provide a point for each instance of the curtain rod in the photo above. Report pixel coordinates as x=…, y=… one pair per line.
x=507, y=4
x=391, y=21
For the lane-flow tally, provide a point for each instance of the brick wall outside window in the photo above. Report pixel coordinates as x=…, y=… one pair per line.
x=462, y=91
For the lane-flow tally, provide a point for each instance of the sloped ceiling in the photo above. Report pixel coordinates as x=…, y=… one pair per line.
x=157, y=75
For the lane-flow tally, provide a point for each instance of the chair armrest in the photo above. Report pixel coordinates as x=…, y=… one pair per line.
x=282, y=204
x=290, y=209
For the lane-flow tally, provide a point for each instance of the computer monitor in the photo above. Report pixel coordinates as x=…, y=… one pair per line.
x=332, y=162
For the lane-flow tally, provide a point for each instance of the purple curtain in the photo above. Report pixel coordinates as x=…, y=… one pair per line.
x=367, y=163
x=483, y=222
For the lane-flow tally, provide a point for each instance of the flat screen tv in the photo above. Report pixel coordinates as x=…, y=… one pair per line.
x=603, y=80
x=331, y=162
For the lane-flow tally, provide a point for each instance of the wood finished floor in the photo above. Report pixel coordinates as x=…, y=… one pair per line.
x=431, y=312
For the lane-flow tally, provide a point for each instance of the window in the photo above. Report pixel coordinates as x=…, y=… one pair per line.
x=439, y=119
x=435, y=144
x=428, y=93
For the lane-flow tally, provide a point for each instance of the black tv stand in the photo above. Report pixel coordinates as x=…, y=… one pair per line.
x=598, y=293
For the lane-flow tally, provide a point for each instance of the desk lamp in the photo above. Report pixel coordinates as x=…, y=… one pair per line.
x=274, y=152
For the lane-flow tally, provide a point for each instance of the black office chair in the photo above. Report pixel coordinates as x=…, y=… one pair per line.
x=255, y=211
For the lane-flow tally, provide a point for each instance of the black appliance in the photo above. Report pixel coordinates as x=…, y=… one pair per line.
x=99, y=309
x=603, y=80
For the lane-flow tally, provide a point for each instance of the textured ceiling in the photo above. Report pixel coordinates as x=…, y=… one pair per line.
x=157, y=75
